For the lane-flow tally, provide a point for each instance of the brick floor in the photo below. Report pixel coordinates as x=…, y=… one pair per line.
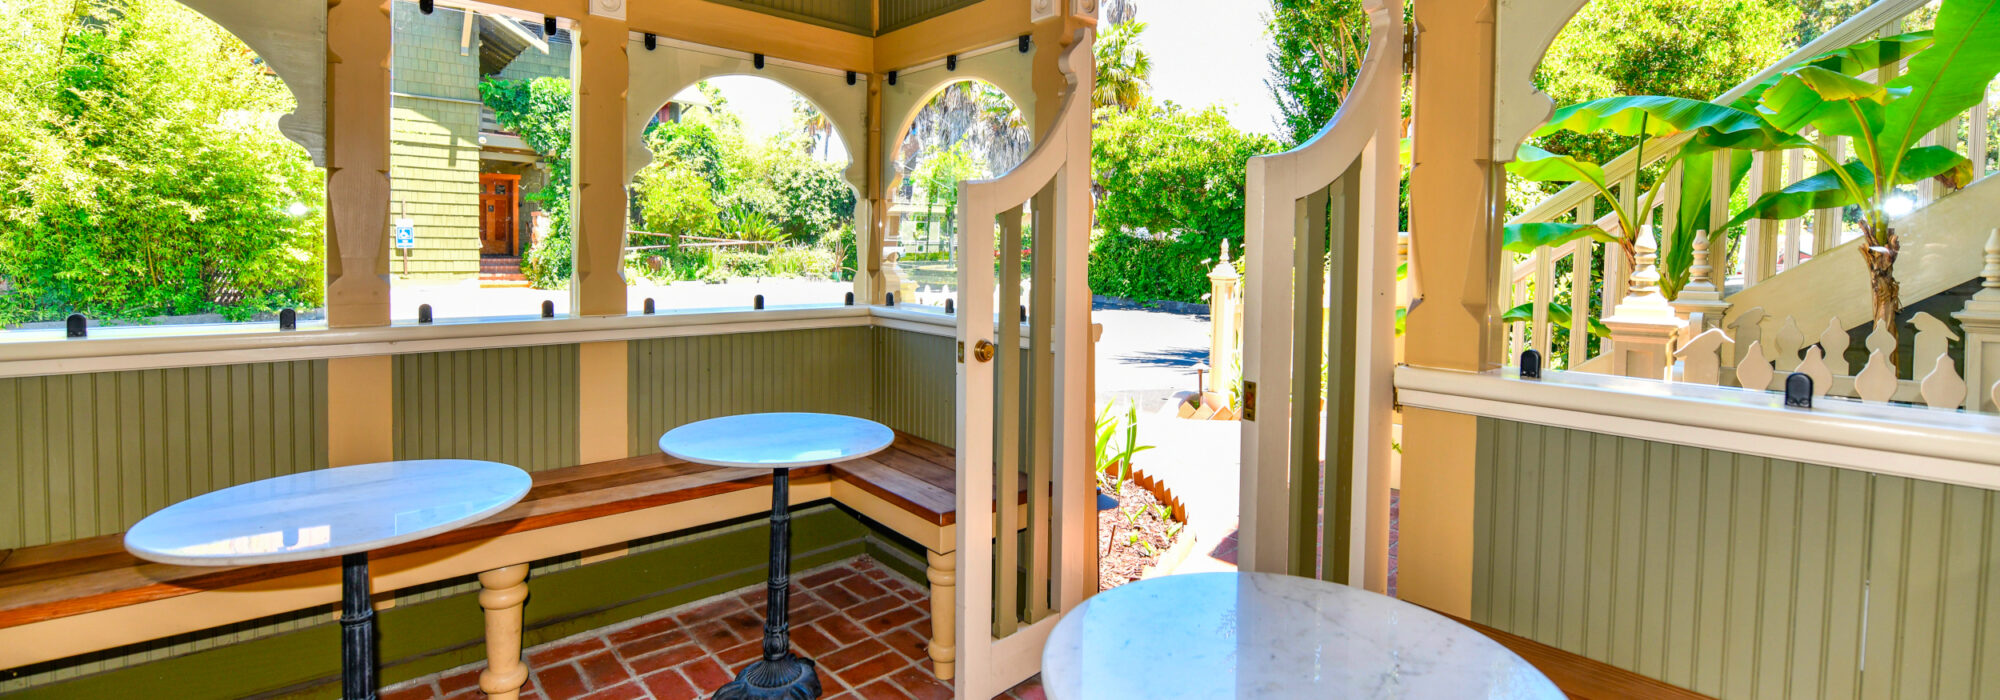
x=865, y=626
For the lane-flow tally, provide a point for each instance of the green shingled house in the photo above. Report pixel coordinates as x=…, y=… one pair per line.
x=455, y=173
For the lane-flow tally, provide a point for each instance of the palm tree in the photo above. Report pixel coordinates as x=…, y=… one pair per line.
x=815, y=124
x=1123, y=68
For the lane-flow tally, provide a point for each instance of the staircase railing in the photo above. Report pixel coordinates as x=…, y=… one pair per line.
x=1765, y=249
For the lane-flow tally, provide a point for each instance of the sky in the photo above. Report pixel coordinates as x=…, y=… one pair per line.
x=1205, y=52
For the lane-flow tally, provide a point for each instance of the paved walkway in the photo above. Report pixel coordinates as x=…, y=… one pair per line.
x=865, y=626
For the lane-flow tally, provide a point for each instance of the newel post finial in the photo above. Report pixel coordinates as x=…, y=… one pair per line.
x=1980, y=322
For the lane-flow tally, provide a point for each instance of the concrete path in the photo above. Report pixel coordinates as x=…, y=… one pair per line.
x=1147, y=355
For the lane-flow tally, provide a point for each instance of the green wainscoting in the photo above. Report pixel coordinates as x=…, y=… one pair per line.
x=897, y=14
x=916, y=384
x=83, y=455
x=1733, y=575
x=511, y=405
x=676, y=381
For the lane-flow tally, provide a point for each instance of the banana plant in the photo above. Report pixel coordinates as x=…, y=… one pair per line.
x=1947, y=74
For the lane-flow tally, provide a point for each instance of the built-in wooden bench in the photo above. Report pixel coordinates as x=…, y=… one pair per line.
x=74, y=597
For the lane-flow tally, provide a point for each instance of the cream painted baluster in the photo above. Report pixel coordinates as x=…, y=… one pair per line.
x=1579, y=290
x=1617, y=273
x=1834, y=339
x=1794, y=227
x=1747, y=328
x=1877, y=382
x=1975, y=141
x=1701, y=358
x=1042, y=398
x=502, y=593
x=1882, y=340
x=943, y=577
x=1943, y=389
x=1753, y=371
x=1790, y=341
x=1814, y=366
x=1758, y=242
x=1007, y=429
x=1826, y=222
x=1544, y=291
x=1933, y=341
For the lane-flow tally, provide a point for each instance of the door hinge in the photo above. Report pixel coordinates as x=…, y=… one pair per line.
x=1249, y=400
x=1409, y=49
x=961, y=352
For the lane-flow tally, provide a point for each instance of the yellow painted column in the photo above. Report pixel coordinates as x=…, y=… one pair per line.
x=603, y=76
x=604, y=389
x=1454, y=250
x=361, y=410
x=357, y=163
x=868, y=285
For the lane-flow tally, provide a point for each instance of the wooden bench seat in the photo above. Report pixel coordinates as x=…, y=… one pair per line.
x=908, y=487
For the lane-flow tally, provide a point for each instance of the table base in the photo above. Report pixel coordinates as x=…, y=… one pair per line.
x=357, y=630
x=790, y=677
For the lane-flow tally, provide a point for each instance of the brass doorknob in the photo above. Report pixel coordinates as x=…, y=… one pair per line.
x=983, y=350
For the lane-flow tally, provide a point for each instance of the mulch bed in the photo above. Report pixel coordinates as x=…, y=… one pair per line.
x=1124, y=533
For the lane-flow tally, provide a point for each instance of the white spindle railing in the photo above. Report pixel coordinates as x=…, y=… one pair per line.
x=1767, y=248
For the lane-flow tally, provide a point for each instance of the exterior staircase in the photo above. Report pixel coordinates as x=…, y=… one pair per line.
x=501, y=271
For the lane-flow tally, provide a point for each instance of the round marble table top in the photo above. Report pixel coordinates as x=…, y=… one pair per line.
x=1224, y=635
x=327, y=512
x=776, y=440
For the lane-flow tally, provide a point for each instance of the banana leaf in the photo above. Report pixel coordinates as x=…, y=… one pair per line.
x=1692, y=214
x=1853, y=59
x=1722, y=126
x=1525, y=238
x=1824, y=190
x=1537, y=165
x=1944, y=80
x=1559, y=314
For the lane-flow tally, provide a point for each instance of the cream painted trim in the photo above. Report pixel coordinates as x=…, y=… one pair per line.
x=941, y=539
x=962, y=55
x=638, y=37
x=78, y=634
x=291, y=37
x=603, y=371
x=1955, y=448
x=106, y=355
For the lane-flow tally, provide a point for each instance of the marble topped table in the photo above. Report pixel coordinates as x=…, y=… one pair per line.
x=779, y=442
x=345, y=512
x=1251, y=635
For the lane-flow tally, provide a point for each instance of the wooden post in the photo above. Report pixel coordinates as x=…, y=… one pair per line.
x=943, y=576
x=1980, y=322
x=357, y=164
x=502, y=593
x=1223, y=284
x=1643, y=325
x=1700, y=303
x=603, y=75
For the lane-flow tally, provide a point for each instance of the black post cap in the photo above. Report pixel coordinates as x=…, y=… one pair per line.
x=652, y=41
x=426, y=6
x=1024, y=313
x=1798, y=390
x=548, y=309
x=850, y=298
x=892, y=77
x=889, y=299
x=851, y=77
x=1026, y=41
x=951, y=62
x=548, y=25
x=288, y=320
x=757, y=60
x=76, y=326
x=757, y=303
x=424, y=313
x=950, y=307
x=648, y=309
x=1531, y=364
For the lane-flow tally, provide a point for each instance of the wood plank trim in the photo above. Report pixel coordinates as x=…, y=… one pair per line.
x=1582, y=678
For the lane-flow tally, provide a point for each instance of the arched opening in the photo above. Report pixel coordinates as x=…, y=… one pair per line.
x=966, y=130
x=147, y=180
x=745, y=197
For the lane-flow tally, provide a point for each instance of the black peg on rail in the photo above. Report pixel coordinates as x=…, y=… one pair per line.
x=757, y=303
x=892, y=77
x=1531, y=364
x=423, y=313
x=889, y=299
x=76, y=326
x=426, y=6
x=288, y=320
x=1024, y=313
x=851, y=77
x=648, y=308
x=950, y=307
x=951, y=62
x=548, y=26
x=548, y=309
x=757, y=60
x=652, y=41
x=1026, y=42
x=850, y=298
x=1798, y=390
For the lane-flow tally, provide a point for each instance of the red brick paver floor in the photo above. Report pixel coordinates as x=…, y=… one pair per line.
x=866, y=627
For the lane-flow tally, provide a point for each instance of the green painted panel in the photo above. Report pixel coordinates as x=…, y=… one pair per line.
x=916, y=384
x=845, y=15
x=83, y=455
x=675, y=381
x=897, y=14
x=511, y=405
x=1736, y=576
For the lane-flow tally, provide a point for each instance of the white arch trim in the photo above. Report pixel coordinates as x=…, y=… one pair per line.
x=1522, y=34
x=290, y=35
x=672, y=66
x=1003, y=66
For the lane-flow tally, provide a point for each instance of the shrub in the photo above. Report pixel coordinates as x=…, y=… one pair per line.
x=1147, y=269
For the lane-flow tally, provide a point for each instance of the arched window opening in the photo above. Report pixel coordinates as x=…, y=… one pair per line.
x=745, y=197
x=968, y=130
x=144, y=180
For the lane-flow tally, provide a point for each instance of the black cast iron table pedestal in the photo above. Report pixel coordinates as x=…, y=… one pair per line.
x=781, y=673
x=357, y=630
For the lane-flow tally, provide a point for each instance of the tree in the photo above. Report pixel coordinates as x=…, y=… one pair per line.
x=542, y=112
x=1316, y=51
x=1123, y=68
x=141, y=170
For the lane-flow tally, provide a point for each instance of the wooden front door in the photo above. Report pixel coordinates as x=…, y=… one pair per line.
x=499, y=199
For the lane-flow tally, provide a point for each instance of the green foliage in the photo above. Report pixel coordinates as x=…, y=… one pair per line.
x=775, y=190
x=1559, y=314
x=1114, y=460
x=1123, y=68
x=676, y=201
x=141, y=170
x=542, y=112
x=1316, y=51
x=1177, y=177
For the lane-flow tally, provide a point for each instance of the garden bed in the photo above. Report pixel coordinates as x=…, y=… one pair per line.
x=1145, y=536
